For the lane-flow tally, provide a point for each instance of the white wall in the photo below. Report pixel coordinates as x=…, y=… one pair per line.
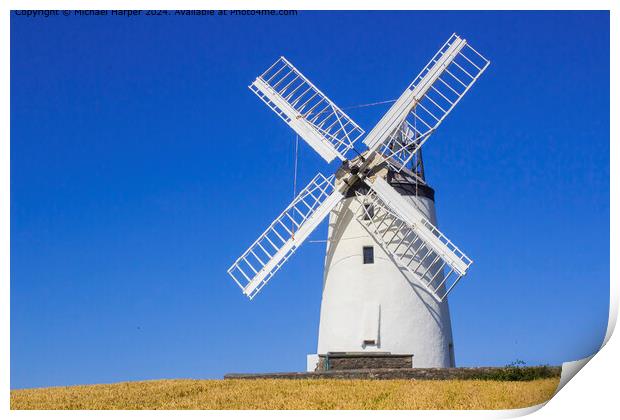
x=362, y=301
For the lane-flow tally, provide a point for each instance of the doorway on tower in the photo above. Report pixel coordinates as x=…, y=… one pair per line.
x=370, y=326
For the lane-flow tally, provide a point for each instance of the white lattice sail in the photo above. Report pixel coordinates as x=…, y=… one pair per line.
x=253, y=269
x=412, y=240
x=426, y=102
x=324, y=126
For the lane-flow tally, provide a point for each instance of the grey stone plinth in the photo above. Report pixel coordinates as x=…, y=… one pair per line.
x=482, y=373
x=350, y=361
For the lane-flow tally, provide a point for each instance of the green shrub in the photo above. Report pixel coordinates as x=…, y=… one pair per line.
x=517, y=371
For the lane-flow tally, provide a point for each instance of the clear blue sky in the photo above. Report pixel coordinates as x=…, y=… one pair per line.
x=142, y=166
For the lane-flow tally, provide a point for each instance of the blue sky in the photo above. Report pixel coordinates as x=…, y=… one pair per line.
x=142, y=166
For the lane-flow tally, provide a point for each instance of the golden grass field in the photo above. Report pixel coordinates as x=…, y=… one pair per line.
x=300, y=394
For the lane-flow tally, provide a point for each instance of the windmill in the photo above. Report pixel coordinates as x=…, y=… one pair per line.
x=388, y=268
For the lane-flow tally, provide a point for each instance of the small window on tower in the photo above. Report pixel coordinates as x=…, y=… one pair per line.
x=369, y=211
x=369, y=255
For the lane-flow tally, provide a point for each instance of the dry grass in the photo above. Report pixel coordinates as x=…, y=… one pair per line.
x=281, y=394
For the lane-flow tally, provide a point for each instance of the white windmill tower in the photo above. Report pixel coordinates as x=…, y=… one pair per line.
x=388, y=269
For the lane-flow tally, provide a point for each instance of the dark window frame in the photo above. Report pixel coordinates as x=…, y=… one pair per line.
x=368, y=254
x=369, y=212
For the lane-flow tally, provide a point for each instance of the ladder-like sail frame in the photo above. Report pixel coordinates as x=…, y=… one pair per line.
x=403, y=230
x=307, y=110
x=253, y=269
x=426, y=102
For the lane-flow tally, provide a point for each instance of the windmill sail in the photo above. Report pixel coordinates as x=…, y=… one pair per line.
x=324, y=126
x=253, y=269
x=426, y=102
x=413, y=241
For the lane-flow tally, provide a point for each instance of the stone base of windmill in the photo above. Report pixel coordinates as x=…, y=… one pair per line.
x=352, y=361
x=460, y=373
x=392, y=366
